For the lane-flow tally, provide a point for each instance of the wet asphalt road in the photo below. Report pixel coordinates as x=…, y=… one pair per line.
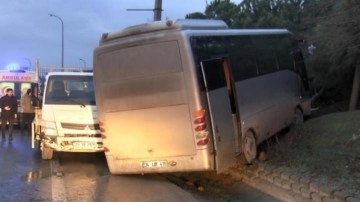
x=84, y=177
x=23, y=176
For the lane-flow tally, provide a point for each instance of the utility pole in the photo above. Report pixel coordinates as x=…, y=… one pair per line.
x=157, y=10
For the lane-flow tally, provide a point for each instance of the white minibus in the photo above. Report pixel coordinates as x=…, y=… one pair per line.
x=192, y=95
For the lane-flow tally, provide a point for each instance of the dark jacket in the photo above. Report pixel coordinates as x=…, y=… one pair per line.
x=10, y=101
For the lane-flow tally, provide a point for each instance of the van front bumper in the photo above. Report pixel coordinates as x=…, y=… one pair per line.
x=73, y=144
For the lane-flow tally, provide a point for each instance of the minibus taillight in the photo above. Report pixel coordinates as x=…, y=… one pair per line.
x=200, y=127
x=103, y=136
x=203, y=142
x=201, y=134
x=198, y=113
x=199, y=120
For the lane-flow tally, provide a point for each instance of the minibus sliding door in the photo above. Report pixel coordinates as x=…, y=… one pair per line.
x=220, y=113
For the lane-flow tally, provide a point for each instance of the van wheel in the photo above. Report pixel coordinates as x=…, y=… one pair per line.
x=249, y=148
x=47, y=153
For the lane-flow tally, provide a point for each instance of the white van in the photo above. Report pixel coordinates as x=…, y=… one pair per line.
x=69, y=121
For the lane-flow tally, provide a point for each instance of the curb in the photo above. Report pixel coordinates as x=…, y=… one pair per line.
x=290, y=186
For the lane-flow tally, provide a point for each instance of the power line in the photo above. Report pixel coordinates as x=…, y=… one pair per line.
x=157, y=10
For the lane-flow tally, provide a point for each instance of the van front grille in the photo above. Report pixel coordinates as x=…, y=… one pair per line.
x=81, y=135
x=76, y=126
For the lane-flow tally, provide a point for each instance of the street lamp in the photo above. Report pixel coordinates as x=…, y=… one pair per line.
x=29, y=62
x=62, y=39
x=83, y=62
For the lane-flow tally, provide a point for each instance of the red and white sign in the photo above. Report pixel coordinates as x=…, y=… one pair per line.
x=18, y=76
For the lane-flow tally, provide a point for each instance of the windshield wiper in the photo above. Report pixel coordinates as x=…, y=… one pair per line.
x=77, y=102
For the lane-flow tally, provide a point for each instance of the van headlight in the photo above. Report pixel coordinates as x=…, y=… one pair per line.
x=49, y=128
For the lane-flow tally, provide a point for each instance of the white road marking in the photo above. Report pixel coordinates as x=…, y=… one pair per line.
x=58, y=191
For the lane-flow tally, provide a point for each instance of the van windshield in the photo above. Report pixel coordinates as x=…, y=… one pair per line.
x=70, y=90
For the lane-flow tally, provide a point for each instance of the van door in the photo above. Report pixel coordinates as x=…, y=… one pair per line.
x=220, y=113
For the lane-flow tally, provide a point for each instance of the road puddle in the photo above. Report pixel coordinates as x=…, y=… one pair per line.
x=34, y=175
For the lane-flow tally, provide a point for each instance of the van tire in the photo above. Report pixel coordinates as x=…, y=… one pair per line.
x=249, y=147
x=47, y=153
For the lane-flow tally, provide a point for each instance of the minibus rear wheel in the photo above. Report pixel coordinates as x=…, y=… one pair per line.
x=250, y=147
x=299, y=118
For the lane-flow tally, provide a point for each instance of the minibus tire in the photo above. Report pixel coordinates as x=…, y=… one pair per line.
x=47, y=153
x=249, y=147
x=299, y=118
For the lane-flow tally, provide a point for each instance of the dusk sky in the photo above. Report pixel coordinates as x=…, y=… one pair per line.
x=29, y=33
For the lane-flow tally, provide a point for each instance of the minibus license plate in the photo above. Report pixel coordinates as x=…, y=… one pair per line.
x=154, y=164
x=83, y=145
